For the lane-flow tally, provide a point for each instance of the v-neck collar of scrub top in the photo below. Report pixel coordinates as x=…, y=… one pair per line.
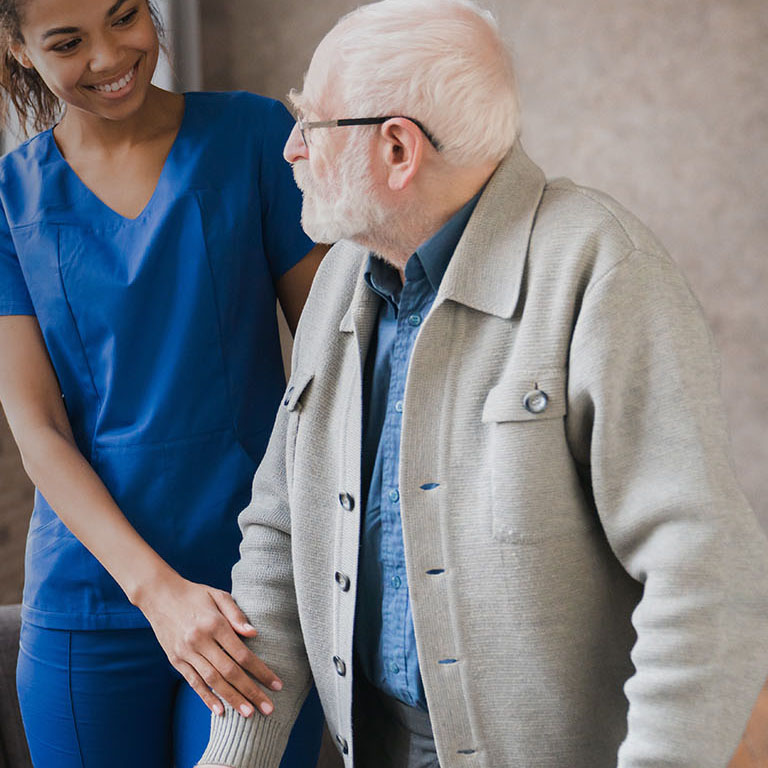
x=90, y=195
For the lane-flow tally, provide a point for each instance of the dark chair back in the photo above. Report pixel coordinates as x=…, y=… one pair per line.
x=13, y=744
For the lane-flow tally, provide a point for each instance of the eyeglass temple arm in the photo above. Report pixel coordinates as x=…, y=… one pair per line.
x=379, y=120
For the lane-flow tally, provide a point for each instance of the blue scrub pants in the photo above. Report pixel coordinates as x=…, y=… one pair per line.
x=97, y=698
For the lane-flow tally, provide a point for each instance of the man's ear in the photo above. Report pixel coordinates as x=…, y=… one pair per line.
x=402, y=151
x=19, y=52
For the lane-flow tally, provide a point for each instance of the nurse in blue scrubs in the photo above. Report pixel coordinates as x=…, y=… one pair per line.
x=143, y=242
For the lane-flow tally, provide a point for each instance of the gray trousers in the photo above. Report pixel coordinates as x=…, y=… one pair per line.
x=388, y=733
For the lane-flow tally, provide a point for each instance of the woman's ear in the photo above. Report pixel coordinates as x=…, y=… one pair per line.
x=19, y=52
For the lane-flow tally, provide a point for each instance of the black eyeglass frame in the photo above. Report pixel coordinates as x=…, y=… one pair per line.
x=305, y=126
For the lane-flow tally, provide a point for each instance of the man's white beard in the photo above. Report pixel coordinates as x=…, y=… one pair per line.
x=346, y=207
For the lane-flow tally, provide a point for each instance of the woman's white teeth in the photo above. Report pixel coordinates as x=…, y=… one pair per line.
x=116, y=86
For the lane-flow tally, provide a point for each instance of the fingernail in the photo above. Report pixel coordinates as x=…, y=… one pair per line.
x=218, y=709
x=246, y=710
x=276, y=685
x=249, y=628
x=266, y=707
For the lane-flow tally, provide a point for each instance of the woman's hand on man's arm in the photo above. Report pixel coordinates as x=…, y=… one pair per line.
x=196, y=625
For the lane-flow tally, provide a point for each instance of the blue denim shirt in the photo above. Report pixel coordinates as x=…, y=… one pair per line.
x=384, y=640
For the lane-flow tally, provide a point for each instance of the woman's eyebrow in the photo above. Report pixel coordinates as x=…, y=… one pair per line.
x=59, y=31
x=72, y=30
x=115, y=8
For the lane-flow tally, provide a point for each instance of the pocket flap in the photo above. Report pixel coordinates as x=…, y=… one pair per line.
x=527, y=396
x=296, y=387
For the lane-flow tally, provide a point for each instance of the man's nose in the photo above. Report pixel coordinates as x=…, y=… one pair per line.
x=295, y=148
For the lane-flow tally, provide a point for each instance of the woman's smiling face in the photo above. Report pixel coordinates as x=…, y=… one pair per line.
x=97, y=56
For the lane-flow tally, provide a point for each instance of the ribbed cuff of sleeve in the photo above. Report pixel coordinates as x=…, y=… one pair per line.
x=240, y=742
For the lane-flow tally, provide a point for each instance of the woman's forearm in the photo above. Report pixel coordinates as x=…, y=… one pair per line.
x=195, y=624
x=77, y=494
x=198, y=626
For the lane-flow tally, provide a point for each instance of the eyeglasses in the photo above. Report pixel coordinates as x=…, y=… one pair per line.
x=306, y=126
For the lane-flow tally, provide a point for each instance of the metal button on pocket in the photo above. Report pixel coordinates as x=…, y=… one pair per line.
x=346, y=501
x=288, y=396
x=536, y=401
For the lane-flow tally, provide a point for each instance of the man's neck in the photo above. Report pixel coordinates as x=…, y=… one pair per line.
x=399, y=242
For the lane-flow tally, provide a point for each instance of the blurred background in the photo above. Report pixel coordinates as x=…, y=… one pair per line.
x=661, y=103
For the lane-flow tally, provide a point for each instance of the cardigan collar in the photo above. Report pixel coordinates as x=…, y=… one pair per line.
x=486, y=270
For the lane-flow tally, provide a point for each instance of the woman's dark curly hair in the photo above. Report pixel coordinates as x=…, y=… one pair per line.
x=36, y=106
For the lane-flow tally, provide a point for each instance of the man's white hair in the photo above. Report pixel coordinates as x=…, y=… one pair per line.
x=442, y=62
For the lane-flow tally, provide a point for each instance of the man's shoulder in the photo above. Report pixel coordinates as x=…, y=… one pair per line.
x=337, y=275
x=332, y=288
x=589, y=231
x=596, y=209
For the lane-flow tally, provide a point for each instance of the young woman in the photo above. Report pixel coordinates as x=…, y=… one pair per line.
x=143, y=240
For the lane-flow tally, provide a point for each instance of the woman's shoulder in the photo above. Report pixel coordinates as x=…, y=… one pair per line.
x=26, y=157
x=237, y=132
x=238, y=109
x=28, y=176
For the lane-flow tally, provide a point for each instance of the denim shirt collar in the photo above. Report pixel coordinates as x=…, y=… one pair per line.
x=432, y=257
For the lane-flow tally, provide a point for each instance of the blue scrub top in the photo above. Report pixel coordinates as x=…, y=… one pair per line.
x=162, y=332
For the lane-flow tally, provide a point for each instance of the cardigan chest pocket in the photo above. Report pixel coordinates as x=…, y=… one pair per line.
x=535, y=490
x=293, y=402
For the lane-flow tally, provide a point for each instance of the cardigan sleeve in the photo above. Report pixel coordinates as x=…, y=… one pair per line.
x=263, y=587
x=645, y=409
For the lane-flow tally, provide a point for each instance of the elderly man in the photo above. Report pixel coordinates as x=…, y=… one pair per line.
x=497, y=521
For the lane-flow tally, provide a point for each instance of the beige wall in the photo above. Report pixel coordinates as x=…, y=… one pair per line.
x=661, y=103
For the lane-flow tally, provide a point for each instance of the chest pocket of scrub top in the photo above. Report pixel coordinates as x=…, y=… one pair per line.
x=293, y=402
x=535, y=490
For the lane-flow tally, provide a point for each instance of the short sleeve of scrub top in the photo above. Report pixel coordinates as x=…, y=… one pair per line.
x=163, y=335
x=282, y=238
x=14, y=296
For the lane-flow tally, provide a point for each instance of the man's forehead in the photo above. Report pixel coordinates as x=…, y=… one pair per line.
x=316, y=91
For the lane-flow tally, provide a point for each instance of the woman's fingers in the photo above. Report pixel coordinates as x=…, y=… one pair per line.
x=199, y=687
x=197, y=627
x=247, y=660
x=232, y=613
x=234, y=685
